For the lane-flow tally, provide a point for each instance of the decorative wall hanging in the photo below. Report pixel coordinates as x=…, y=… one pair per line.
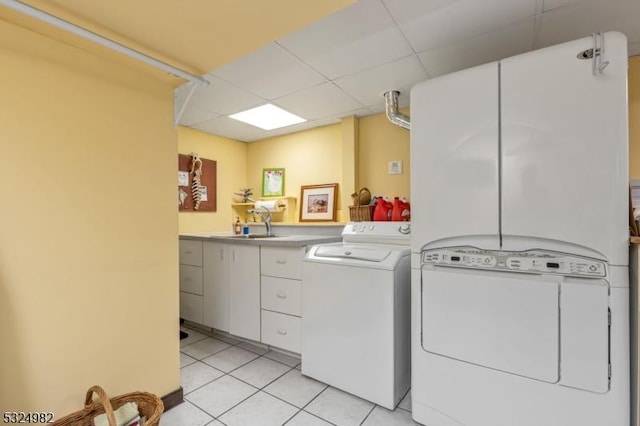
x=318, y=202
x=196, y=183
x=272, y=182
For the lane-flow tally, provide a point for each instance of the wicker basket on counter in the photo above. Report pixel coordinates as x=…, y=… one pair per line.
x=149, y=405
x=361, y=211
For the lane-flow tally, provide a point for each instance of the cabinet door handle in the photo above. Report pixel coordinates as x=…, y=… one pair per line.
x=282, y=332
x=221, y=254
x=233, y=253
x=281, y=261
x=282, y=295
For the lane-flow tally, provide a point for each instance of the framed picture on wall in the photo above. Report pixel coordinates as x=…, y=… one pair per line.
x=273, y=182
x=318, y=202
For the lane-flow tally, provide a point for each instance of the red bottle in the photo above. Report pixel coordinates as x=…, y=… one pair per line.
x=401, y=210
x=382, y=211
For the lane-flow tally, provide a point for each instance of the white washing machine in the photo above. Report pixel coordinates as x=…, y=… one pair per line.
x=356, y=317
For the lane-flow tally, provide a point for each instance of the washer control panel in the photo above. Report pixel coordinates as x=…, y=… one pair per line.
x=533, y=261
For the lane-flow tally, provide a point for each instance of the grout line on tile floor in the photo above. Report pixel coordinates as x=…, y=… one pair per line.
x=367, y=416
x=210, y=381
x=230, y=408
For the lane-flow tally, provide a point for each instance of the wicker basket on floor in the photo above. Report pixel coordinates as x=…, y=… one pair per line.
x=149, y=406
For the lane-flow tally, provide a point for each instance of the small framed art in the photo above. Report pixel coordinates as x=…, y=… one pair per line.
x=272, y=182
x=318, y=202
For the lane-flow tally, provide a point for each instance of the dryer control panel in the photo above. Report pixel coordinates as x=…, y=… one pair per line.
x=533, y=261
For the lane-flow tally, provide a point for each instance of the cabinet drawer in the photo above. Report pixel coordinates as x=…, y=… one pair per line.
x=282, y=295
x=191, y=307
x=285, y=262
x=191, y=252
x=191, y=279
x=283, y=331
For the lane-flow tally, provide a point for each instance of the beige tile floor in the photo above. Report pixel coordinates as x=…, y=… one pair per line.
x=234, y=383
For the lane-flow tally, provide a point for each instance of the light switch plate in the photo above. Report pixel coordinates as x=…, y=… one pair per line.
x=395, y=167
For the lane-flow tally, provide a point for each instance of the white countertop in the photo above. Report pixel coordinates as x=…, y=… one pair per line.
x=284, y=240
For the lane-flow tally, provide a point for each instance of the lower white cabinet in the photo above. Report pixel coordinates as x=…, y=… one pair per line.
x=250, y=291
x=282, y=330
x=215, y=271
x=244, y=291
x=191, y=307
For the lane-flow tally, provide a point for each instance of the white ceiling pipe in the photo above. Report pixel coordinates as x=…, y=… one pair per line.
x=89, y=35
x=391, y=107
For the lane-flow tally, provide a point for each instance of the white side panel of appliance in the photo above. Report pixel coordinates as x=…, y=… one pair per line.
x=584, y=319
x=454, y=159
x=494, y=320
x=565, y=149
x=348, y=329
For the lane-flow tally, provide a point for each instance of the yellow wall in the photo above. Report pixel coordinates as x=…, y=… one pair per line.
x=231, y=164
x=380, y=143
x=88, y=230
x=309, y=158
x=634, y=117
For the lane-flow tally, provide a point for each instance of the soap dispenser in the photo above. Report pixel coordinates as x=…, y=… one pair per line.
x=237, y=228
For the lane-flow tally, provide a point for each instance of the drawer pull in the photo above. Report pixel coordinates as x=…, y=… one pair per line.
x=282, y=295
x=187, y=278
x=187, y=252
x=282, y=332
x=281, y=261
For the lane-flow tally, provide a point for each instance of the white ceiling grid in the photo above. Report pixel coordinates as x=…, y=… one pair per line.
x=341, y=65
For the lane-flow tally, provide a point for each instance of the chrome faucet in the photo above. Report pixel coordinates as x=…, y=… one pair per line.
x=265, y=215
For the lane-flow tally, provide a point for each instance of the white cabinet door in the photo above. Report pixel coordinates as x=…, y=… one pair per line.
x=244, y=291
x=191, y=307
x=564, y=148
x=454, y=159
x=216, y=285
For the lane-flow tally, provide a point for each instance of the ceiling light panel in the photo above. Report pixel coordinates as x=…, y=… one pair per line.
x=267, y=117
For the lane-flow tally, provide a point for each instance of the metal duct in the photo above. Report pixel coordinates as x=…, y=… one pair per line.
x=394, y=116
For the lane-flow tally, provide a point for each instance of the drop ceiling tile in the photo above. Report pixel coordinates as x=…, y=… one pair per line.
x=464, y=20
x=317, y=102
x=554, y=4
x=194, y=115
x=230, y=128
x=377, y=109
x=490, y=47
x=270, y=72
x=224, y=98
x=369, y=86
x=407, y=10
x=581, y=19
x=356, y=38
x=307, y=125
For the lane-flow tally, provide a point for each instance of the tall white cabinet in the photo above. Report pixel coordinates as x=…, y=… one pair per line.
x=555, y=113
x=244, y=291
x=508, y=151
x=216, y=285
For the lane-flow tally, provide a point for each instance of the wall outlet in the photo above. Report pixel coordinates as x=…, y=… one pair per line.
x=395, y=167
